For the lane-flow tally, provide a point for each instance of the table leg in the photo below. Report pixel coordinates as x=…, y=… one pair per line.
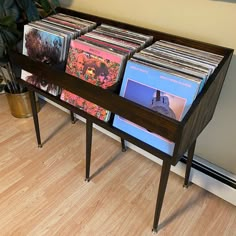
x=189, y=164
x=165, y=171
x=72, y=116
x=89, y=133
x=35, y=117
x=123, y=146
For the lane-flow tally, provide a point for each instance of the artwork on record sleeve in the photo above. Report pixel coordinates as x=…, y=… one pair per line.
x=159, y=91
x=45, y=47
x=95, y=66
x=154, y=99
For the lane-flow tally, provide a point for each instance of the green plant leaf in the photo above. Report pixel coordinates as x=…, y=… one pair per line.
x=54, y=3
x=45, y=5
x=48, y=5
x=9, y=8
x=29, y=8
x=7, y=21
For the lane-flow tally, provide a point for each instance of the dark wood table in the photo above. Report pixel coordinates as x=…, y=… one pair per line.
x=183, y=133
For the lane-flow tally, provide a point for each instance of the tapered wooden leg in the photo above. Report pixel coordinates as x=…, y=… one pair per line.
x=189, y=164
x=123, y=146
x=72, y=116
x=35, y=117
x=165, y=171
x=89, y=134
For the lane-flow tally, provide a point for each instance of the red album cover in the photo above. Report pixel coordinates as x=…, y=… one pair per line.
x=95, y=65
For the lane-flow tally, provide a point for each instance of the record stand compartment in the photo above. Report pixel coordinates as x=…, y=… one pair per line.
x=183, y=133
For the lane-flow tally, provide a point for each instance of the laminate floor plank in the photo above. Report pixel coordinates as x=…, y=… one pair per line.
x=43, y=192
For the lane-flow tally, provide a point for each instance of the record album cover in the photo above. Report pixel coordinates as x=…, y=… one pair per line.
x=95, y=65
x=45, y=47
x=165, y=93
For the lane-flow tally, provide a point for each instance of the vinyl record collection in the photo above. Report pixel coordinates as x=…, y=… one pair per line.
x=163, y=76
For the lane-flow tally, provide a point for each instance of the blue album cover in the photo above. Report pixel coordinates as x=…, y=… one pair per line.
x=166, y=93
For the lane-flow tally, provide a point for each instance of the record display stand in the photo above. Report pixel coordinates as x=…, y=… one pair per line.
x=183, y=133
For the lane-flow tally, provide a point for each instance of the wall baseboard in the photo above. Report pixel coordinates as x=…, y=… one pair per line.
x=212, y=170
x=204, y=179
x=207, y=176
x=198, y=177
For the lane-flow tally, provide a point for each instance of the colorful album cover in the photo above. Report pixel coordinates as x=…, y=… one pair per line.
x=159, y=91
x=95, y=65
x=66, y=23
x=106, y=45
x=45, y=47
x=88, y=25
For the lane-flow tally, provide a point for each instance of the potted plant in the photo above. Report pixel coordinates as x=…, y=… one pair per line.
x=13, y=15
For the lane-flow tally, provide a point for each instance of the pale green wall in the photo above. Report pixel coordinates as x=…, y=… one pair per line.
x=210, y=21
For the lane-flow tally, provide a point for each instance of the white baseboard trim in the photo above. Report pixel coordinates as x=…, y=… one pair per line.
x=197, y=177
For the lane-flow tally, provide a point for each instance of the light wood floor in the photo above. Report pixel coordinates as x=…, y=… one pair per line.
x=43, y=192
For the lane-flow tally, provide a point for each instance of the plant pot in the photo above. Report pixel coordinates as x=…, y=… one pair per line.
x=19, y=104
